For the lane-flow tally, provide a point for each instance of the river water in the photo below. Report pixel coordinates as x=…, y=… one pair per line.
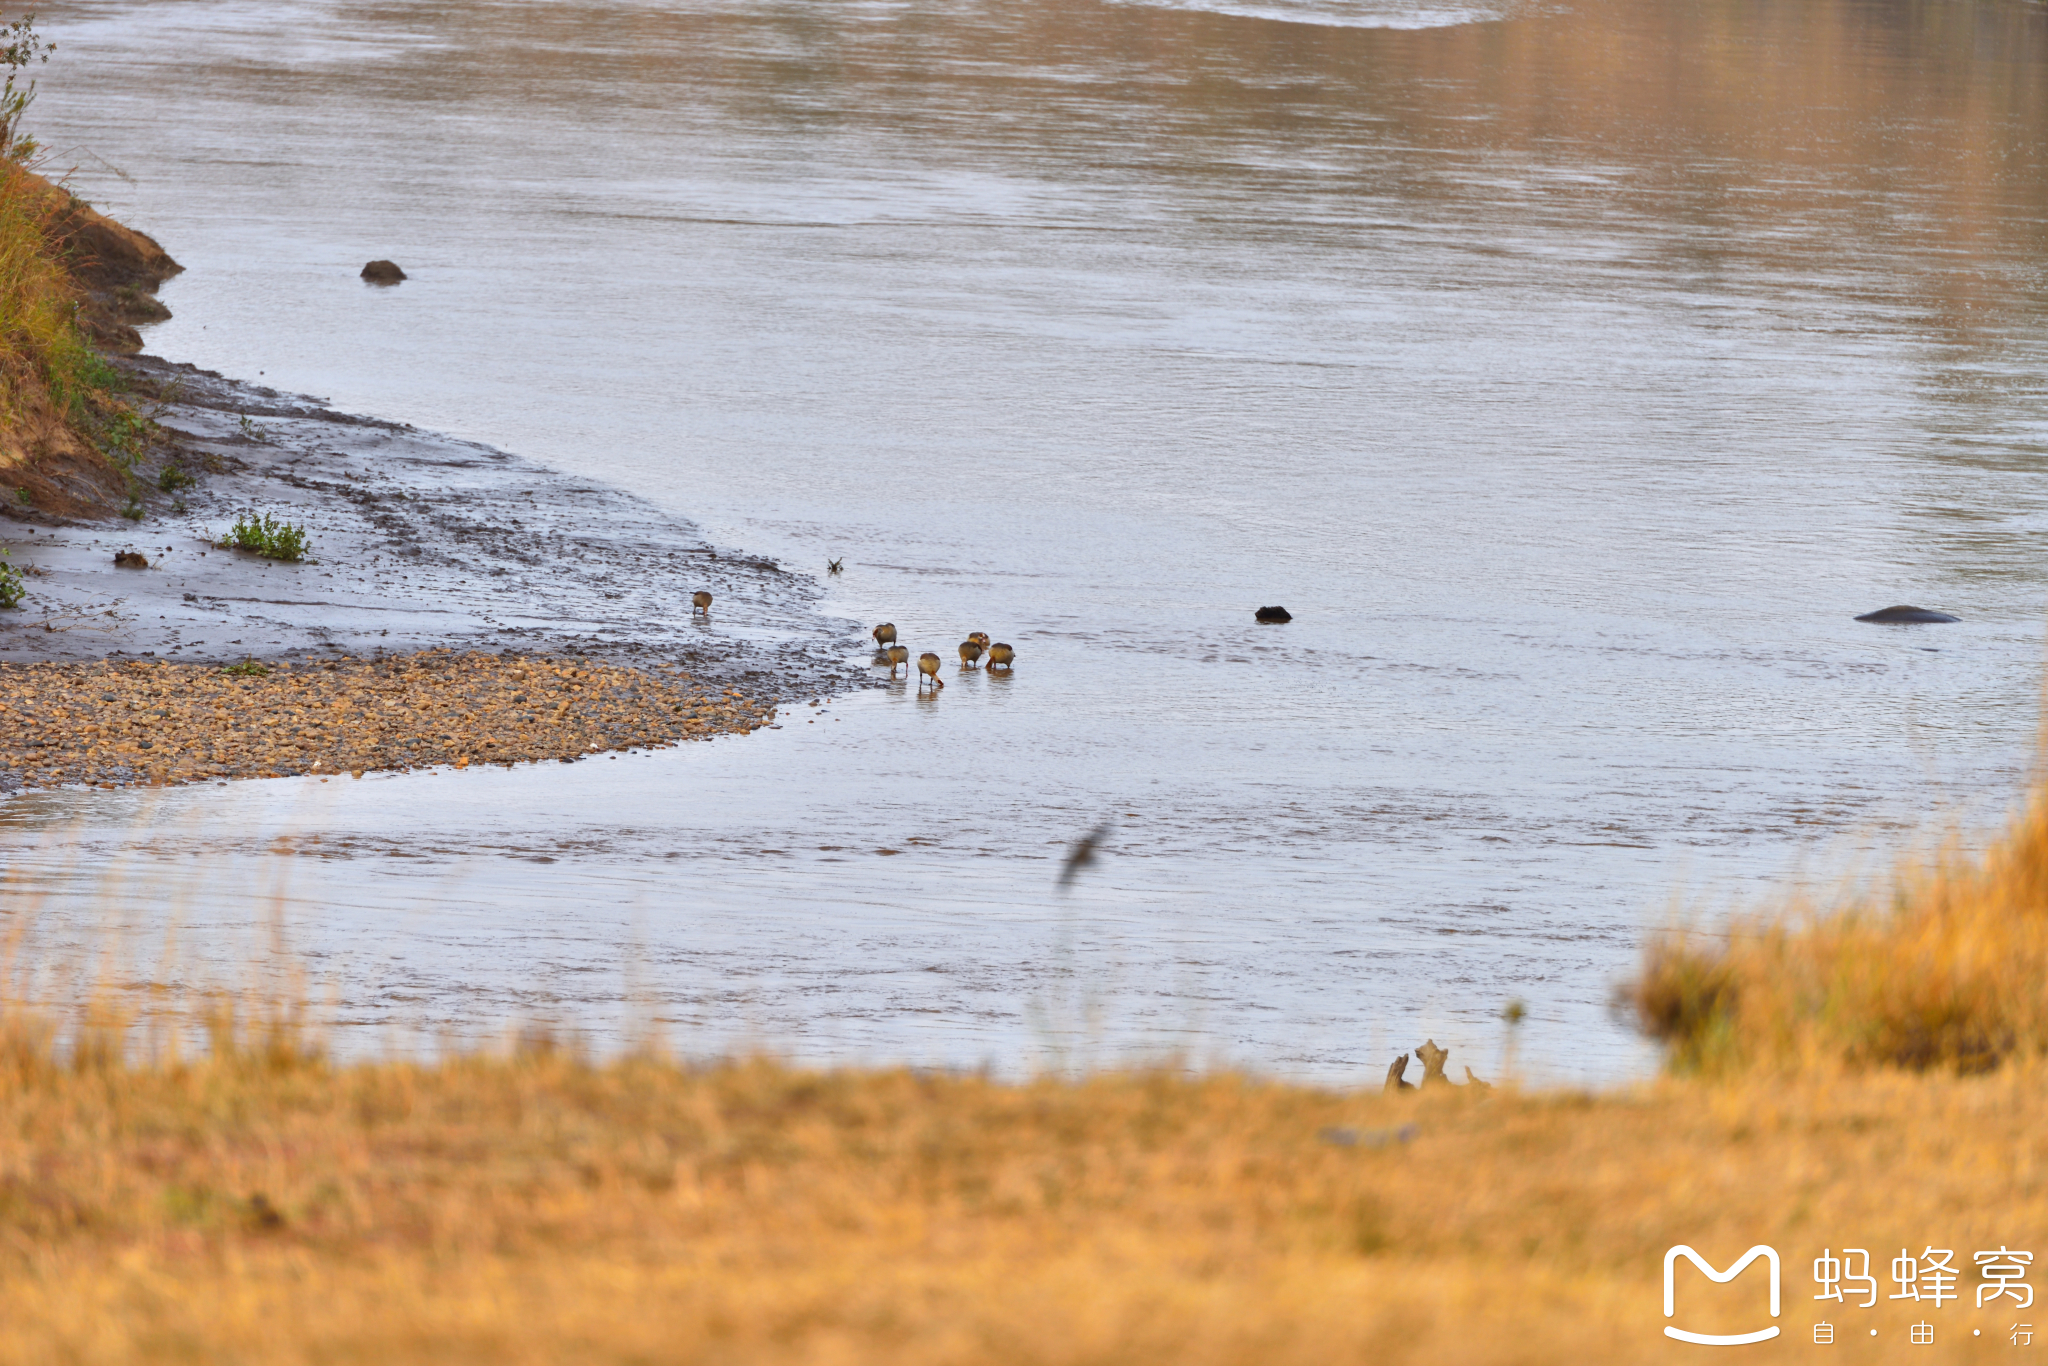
x=1574, y=372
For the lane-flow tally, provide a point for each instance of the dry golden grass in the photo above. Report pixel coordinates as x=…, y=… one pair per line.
x=1946, y=967
x=44, y=359
x=264, y=1206
x=67, y=441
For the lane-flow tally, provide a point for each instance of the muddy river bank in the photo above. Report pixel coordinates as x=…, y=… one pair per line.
x=418, y=542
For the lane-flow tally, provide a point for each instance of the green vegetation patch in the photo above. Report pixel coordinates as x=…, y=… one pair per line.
x=266, y=536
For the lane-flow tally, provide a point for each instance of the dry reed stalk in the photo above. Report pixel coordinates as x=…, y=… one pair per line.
x=1943, y=969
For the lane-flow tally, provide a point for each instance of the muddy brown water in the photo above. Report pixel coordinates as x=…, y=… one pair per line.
x=1573, y=373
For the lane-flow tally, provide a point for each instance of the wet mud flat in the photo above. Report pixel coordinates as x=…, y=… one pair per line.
x=512, y=573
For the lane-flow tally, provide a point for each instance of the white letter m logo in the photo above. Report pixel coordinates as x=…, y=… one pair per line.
x=1719, y=1278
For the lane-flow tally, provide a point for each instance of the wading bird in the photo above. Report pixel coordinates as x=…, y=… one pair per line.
x=928, y=665
x=979, y=638
x=899, y=655
x=1001, y=656
x=885, y=635
x=970, y=650
x=700, y=601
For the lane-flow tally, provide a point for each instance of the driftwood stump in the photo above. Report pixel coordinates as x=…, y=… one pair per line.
x=1433, y=1059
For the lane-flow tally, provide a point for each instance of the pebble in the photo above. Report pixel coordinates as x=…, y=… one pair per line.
x=156, y=723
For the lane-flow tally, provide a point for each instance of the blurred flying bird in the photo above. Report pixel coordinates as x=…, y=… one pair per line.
x=1083, y=853
x=834, y=566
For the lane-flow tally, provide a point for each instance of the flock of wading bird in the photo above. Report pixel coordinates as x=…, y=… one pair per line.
x=887, y=651
x=972, y=651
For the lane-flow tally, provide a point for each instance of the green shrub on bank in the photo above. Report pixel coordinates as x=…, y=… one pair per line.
x=266, y=536
x=41, y=347
x=12, y=589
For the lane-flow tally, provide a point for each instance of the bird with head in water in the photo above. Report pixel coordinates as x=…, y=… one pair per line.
x=1001, y=656
x=700, y=601
x=899, y=655
x=970, y=650
x=928, y=666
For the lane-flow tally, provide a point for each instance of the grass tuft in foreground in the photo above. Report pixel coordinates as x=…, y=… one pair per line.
x=1945, y=969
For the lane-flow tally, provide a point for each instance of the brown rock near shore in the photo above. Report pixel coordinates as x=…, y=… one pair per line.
x=383, y=273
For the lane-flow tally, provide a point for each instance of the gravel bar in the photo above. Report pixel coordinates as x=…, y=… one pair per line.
x=135, y=723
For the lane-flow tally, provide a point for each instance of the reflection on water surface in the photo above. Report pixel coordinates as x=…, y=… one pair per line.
x=1573, y=375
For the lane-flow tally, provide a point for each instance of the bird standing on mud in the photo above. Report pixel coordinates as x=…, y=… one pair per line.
x=899, y=655
x=700, y=601
x=928, y=665
x=970, y=650
x=1001, y=656
x=885, y=635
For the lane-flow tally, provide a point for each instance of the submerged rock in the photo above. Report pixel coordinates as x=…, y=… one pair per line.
x=383, y=273
x=1274, y=614
x=1907, y=614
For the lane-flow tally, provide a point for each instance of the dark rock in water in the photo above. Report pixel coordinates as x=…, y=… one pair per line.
x=1891, y=614
x=1274, y=614
x=128, y=559
x=383, y=273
